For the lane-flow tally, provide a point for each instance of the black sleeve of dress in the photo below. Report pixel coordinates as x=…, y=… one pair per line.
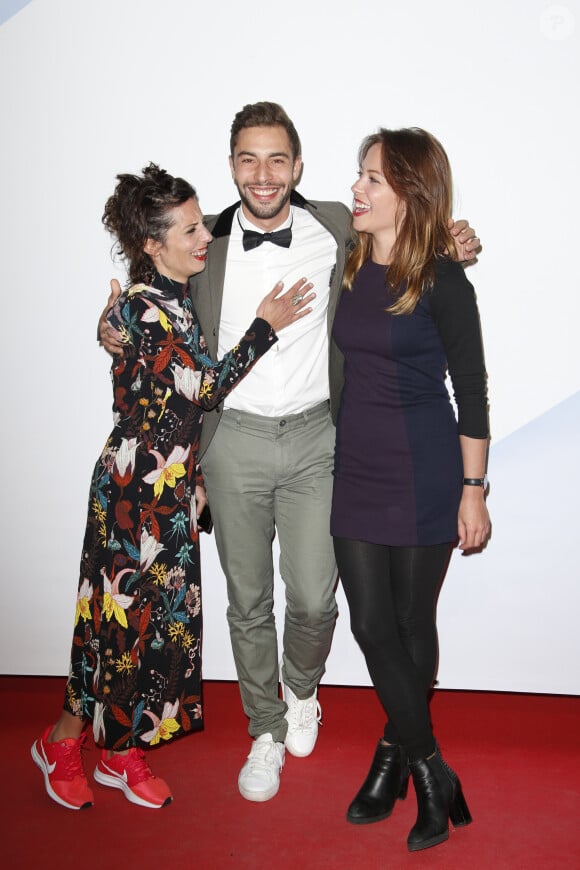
x=210, y=381
x=454, y=310
x=219, y=378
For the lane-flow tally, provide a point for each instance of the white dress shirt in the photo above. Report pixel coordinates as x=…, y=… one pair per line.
x=293, y=375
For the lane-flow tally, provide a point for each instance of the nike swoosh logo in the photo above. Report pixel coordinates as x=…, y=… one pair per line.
x=49, y=767
x=114, y=773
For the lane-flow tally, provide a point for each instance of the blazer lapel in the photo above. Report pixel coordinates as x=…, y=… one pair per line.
x=338, y=233
x=207, y=287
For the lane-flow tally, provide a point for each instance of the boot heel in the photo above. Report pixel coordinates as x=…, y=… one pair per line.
x=459, y=811
x=403, y=790
x=439, y=799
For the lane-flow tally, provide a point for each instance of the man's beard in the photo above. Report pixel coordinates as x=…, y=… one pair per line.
x=264, y=211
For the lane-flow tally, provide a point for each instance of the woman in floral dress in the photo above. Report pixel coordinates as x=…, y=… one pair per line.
x=136, y=652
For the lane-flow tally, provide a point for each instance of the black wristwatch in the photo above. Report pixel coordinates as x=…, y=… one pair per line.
x=476, y=481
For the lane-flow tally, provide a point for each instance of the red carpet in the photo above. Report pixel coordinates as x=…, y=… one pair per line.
x=518, y=757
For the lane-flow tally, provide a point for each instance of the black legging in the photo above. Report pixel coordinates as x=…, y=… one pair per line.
x=392, y=594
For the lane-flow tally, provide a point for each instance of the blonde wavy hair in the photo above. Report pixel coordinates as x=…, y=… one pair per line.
x=416, y=167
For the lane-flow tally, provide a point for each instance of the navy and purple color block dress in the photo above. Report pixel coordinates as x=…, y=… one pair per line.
x=398, y=466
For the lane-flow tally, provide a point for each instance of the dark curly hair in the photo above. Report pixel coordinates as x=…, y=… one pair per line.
x=138, y=210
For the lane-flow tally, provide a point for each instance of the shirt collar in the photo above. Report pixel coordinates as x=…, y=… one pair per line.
x=246, y=224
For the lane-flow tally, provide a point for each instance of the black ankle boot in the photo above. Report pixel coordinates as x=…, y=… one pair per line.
x=386, y=781
x=439, y=798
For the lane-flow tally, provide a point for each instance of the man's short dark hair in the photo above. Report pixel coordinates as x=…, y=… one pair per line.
x=265, y=114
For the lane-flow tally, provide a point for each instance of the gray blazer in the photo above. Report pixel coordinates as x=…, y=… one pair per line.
x=207, y=290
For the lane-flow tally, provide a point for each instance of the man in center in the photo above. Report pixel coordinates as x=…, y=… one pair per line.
x=267, y=454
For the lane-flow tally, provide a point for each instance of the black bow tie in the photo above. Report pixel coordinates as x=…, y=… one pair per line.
x=253, y=239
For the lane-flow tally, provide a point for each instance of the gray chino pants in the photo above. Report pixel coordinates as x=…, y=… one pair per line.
x=267, y=475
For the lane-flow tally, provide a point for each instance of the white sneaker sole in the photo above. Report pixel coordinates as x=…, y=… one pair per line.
x=299, y=753
x=115, y=782
x=258, y=796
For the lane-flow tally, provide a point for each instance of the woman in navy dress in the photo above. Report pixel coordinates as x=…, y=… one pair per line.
x=135, y=668
x=409, y=476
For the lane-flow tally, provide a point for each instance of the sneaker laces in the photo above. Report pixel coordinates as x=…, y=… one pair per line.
x=303, y=714
x=70, y=757
x=262, y=756
x=137, y=763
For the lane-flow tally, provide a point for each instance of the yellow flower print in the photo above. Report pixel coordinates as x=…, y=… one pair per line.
x=167, y=729
x=115, y=603
x=168, y=470
x=100, y=515
x=84, y=597
x=205, y=389
x=159, y=571
x=164, y=728
x=176, y=630
x=125, y=664
x=164, y=321
x=99, y=511
x=125, y=334
x=187, y=639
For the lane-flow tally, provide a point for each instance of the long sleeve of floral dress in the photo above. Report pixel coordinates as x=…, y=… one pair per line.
x=163, y=344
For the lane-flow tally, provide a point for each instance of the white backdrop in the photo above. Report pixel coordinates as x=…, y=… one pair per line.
x=89, y=89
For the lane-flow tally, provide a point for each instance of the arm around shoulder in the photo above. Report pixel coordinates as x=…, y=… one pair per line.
x=108, y=337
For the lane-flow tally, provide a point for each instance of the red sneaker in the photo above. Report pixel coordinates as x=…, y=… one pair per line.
x=64, y=777
x=133, y=776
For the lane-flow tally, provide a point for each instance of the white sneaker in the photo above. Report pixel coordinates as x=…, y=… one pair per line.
x=259, y=778
x=303, y=718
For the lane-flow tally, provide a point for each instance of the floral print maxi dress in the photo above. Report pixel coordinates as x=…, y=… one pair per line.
x=136, y=653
